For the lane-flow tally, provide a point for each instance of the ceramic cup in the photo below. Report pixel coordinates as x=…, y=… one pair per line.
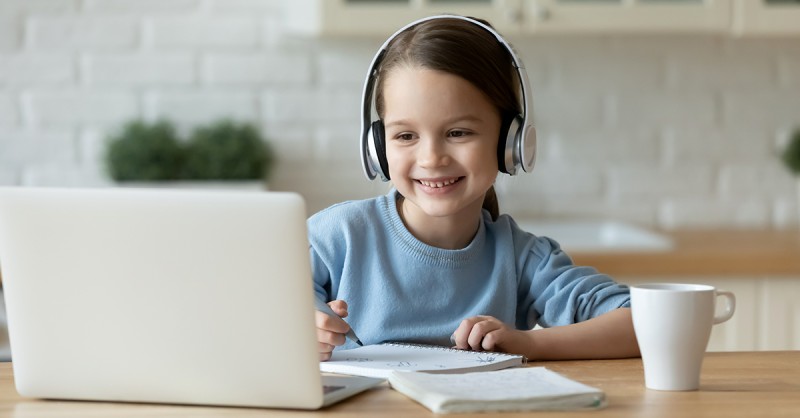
x=673, y=323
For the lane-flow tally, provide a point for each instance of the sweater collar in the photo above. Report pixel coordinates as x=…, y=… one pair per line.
x=423, y=251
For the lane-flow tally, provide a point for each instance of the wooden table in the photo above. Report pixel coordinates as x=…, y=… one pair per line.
x=741, y=384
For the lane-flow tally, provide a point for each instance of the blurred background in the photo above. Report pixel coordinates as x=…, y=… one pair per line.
x=667, y=114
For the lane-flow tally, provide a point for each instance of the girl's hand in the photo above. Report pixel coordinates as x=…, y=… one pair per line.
x=481, y=333
x=330, y=330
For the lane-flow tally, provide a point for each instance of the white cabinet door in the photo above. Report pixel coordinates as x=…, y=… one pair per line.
x=619, y=16
x=779, y=328
x=767, y=17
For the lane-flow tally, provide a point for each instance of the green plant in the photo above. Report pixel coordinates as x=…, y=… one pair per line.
x=224, y=150
x=227, y=150
x=791, y=154
x=144, y=151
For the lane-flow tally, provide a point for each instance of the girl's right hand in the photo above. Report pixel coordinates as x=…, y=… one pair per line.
x=330, y=330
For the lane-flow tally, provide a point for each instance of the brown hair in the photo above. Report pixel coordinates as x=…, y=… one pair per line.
x=464, y=49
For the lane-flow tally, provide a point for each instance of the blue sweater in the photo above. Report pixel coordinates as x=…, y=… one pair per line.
x=400, y=289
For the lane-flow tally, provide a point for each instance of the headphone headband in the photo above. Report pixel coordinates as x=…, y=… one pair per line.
x=524, y=150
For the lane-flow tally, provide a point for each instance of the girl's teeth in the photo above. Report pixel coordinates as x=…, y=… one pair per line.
x=438, y=184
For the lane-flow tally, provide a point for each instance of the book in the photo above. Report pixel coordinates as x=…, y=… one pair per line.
x=519, y=389
x=380, y=360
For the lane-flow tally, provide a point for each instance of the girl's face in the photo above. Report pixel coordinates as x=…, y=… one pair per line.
x=441, y=142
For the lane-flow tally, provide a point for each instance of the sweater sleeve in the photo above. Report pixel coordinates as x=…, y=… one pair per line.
x=324, y=246
x=321, y=276
x=554, y=291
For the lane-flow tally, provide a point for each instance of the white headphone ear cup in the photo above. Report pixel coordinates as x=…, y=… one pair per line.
x=527, y=149
x=510, y=153
x=377, y=150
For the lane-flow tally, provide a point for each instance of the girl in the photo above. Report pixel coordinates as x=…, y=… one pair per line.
x=433, y=261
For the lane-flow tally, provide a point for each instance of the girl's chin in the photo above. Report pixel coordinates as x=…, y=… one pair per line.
x=439, y=210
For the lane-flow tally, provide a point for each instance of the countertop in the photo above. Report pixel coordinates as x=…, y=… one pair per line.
x=706, y=252
x=711, y=252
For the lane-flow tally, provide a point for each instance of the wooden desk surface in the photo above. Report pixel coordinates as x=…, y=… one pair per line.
x=741, y=384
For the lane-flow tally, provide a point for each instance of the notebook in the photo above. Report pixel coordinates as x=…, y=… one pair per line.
x=165, y=296
x=519, y=389
x=381, y=359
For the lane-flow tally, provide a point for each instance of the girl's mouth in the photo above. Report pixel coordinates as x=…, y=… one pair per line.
x=439, y=183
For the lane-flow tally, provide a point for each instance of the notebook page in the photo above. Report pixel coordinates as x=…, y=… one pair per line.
x=380, y=360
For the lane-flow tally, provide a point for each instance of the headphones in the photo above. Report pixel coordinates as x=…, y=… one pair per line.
x=516, y=147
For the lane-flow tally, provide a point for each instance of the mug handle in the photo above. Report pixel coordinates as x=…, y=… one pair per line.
x=729, y=307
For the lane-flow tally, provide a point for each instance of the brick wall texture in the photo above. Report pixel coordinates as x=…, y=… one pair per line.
x=662, y=130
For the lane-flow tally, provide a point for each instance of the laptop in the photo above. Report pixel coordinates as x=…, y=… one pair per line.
x=163, y=296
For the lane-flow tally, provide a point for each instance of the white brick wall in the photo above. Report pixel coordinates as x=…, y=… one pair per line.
x=343, y=62
x=199, y=106
x=59, y=33
x=662, y=130
x=76, y=107
x=762, y=107
x=9, y=33
x=34, y=69
x=15, y=7
x=313, y=105
x=789, y=70
x=245, y=6
x=9, y=110
x=19, y=148
x=145, y=7
x=190, y=33
x=284, y=68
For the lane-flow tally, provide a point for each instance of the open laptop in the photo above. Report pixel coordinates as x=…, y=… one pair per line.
x=163, y=296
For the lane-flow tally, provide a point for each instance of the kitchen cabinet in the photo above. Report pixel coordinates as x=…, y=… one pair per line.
x=512, y=17
x=619, y=16
x=766, y=17
x=382, y=17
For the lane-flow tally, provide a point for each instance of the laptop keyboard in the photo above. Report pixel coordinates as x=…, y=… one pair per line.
x=326, y=389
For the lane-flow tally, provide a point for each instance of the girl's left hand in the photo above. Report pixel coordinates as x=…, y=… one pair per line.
x=487, y=333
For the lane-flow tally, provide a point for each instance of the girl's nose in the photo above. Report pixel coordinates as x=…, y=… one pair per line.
x=432, y=152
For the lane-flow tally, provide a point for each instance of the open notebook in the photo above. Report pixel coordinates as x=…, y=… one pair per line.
x=381, y=359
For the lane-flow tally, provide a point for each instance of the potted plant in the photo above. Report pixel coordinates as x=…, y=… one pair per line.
x=227, y=151
x=224, y=154
x=791, y=157
x=144, y=151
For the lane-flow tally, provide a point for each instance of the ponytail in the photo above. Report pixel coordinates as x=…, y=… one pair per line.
x=490, y=203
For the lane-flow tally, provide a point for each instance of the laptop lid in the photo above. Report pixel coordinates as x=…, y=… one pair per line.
x=160, y=296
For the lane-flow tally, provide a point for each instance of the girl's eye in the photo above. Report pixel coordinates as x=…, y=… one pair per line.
x=404, y=136
x=457, y=133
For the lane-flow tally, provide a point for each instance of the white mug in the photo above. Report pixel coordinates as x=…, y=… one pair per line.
x=673, y=324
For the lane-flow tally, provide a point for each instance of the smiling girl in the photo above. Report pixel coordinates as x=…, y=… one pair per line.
x=433, y=261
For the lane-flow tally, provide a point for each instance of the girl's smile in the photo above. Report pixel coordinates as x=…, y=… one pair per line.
x=438, y=185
